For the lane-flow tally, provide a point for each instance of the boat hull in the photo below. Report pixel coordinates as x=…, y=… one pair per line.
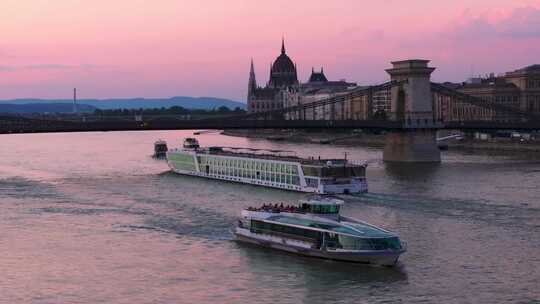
x=357, y=186
x=379, y=257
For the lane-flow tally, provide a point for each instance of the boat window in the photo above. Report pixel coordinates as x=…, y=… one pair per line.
x=359, y=171
x=322, y=209
x=287, y=231
x=337, y=171
x=312, y=182
x=311, y=171
x=331, y=240
x=355, y=243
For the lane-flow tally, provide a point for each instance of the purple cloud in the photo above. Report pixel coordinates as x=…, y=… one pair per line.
x=521, y=23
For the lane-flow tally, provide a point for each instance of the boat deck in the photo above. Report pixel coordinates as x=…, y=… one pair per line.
x=276, y=157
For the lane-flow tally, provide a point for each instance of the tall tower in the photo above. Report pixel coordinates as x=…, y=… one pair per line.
x=412, y=104
x=252, y=84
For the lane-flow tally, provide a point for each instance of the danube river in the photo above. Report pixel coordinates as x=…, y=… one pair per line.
x=91, y=218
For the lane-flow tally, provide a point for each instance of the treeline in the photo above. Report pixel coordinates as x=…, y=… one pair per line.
x=174, y=110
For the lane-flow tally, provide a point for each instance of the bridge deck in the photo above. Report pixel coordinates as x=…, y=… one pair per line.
x=31, y=126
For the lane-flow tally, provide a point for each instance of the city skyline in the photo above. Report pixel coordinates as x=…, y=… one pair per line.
x=182, y=48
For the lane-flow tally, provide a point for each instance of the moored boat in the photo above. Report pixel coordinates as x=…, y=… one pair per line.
x=315, y=228
x=160, y=149
x=269, y=168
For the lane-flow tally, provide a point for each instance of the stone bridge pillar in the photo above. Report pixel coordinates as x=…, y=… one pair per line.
x=412, y=105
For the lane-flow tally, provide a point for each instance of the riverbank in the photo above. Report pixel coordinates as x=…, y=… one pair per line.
x=312, y=136
x=378, y=140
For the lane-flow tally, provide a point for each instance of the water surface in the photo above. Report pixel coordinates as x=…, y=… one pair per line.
x=90, y=217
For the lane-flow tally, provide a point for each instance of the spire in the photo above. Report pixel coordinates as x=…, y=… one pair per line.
x=282, y=45
x=322, y=72
x=252, y=85
x=251, y=69
x=312, y=70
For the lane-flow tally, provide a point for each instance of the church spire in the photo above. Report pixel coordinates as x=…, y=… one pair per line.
x=252, y=85
x=282, y=45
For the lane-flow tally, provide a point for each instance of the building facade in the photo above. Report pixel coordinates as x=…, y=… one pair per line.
x=318, y=88
x=519, y=90
x=283, y=79
x=527, y=80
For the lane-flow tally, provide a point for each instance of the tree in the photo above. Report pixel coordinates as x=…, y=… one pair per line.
x=223, y=109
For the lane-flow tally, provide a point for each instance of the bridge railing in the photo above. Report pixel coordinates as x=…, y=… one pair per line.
x=342, y=98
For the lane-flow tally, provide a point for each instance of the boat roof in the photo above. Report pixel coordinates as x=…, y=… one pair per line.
x=322, y=200
x=358, y=229
x=254, y=149
x=277, y=155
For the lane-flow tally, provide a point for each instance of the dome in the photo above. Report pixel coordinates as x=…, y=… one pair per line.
x=283, y=64
x=283, y=71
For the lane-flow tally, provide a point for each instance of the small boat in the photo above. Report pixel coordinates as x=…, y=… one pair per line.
x=160, y=149
x=275, y=137
x=315, y=228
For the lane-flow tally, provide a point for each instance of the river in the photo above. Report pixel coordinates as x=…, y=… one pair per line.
x=92, y=218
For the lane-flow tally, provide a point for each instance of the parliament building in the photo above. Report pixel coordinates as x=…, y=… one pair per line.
x=284, y=90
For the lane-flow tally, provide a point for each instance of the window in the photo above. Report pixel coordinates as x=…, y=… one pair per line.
x=325, y=209
x=312, y=182
x=287, y=231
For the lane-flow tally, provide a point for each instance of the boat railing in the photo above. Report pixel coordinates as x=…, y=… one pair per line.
x=278, y=209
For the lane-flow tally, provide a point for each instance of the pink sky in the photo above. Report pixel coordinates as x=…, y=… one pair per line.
x=141, y=48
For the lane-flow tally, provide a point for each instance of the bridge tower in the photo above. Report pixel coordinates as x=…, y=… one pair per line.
x=412, y=105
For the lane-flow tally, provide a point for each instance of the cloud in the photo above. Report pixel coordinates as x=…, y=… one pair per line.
x=52, y=66
x=520, y=23
x=47, y=66
x=6, y=68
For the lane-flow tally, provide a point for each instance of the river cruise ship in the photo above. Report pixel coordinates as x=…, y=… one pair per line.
x=315, y=228
x=269, y=168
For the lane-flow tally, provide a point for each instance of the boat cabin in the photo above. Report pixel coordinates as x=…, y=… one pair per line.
x=322, y=206
x=191, y=143
x=160, y=148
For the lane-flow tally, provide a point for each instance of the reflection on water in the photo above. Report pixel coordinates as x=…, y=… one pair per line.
x=90, y=217
x=321, y=272
x=412, y=172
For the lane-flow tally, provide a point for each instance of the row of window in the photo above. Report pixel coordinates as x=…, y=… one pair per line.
x=355, y=243
x=533, y=83
x=265, y=106
x=287, y=231
x=249, y=164
x=183, y=161
x=262, y=176
x=181, y=158
x=330, y=240
x=188, y=166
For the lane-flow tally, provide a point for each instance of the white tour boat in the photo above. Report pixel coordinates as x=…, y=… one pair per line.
x=315, y=228
x=269, y=168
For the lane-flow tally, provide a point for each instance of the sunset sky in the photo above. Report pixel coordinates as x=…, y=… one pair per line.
x=141, y=48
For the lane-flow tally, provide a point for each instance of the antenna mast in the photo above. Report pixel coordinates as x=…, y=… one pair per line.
x=75, y=100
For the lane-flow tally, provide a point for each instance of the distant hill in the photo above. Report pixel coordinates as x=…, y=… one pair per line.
x=204, y=103
x=32, y=108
